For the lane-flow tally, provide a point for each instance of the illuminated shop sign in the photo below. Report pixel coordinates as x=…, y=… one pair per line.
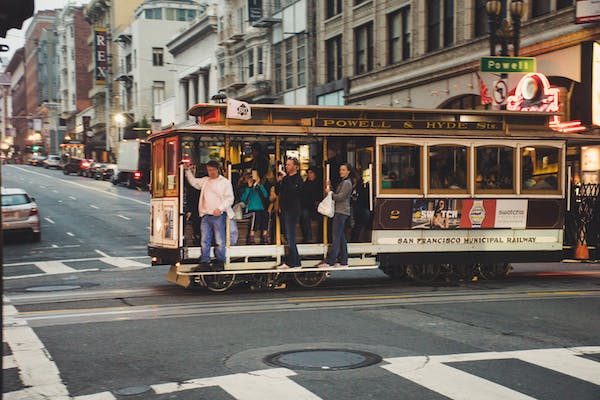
x=587, y=11
x=100, y=55
x=533, y=93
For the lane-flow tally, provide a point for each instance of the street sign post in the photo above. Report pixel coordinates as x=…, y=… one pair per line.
x=508, y=64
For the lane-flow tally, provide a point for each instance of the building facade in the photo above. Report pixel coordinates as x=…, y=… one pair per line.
x=145, y=66
x=196, y=74
x=18, y=94
x=107, y=19
x=75, y=56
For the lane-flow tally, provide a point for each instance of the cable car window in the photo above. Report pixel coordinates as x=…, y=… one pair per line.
x=400, y=168
x=448, y=168
x=172, y=161
x=539, y=169
x=158, y=168
x=495, y=169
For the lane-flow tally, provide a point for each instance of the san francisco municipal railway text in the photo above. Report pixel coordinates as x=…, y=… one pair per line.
x=467, y=240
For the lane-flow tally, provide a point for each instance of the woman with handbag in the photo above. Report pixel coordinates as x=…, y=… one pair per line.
x=341, y=196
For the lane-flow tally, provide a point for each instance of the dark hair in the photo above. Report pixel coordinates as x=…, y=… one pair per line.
x=352, y=173
x=213, y=163
x=256, y=146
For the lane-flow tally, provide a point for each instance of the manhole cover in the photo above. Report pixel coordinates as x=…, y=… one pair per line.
x=132, y=391
x=323, y=359
x=54, y=288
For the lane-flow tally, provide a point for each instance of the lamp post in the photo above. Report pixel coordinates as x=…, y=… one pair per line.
x=501, y=31
x=120, y=119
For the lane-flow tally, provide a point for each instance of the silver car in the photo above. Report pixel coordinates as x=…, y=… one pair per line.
x=20, y=213
x=53, y=161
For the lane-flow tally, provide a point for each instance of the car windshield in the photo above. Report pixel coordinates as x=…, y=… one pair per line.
x=14, y=199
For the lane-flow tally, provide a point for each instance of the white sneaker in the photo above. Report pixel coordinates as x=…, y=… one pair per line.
x=283, y=266
x=338, y=265
x=323, y=264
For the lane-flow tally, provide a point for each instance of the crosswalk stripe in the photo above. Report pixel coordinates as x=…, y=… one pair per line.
x=122, y=262
x=269, y=384
x=564, y=361
x=97, y=396
x=449, y=381
x=54, y=267
x=8, y=362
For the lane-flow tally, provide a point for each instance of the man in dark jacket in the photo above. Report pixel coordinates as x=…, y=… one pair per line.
x=312, y=194
x=289, y=189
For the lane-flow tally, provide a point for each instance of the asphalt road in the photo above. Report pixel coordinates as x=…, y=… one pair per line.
x=85, y=317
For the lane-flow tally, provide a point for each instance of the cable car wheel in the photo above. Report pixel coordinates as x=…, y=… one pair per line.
x=265, y=281
x=309, y=279
x=494, y=271
x=423, y=273
x=218, y=282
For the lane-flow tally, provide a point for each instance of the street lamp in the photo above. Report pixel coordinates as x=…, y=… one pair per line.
x=120, y=119
x=500, y=29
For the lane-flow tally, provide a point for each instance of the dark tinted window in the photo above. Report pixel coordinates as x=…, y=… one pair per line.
x=15, y=199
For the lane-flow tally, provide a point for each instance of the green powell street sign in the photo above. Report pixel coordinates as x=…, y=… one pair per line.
x=508, y=64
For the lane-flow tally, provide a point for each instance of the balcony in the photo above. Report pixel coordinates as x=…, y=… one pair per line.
x=231, y=81
x=97, y=90
x=230, y=37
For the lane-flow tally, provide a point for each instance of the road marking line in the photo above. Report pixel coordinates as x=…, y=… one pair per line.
x=70, y=234
x=73, y=198
x=93, y=206
x=55, y=191
x=124, y=217
x=8, y=362
x=97, y=396
x=36, y=368
x=49, y=220
x=103, y=254
x=564, y=361
x=70, y=259
x=44, y=274
x=54, y=267
x=270, y=384
x=449, y=381
x=82, y=186
x=122, y=262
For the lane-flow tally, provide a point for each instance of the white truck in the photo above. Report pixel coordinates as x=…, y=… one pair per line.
x=133, y=164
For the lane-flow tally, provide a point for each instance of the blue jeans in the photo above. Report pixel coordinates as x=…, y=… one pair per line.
x=213, y=227
x=290, y=220
x=339, y=248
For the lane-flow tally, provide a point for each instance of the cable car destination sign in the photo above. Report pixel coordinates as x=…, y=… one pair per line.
x=407, y=124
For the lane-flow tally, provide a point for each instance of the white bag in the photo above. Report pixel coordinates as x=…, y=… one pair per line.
x=327, y=206
x=238, y=210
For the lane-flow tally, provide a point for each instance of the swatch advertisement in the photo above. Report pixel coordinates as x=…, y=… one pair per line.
x=469, y=214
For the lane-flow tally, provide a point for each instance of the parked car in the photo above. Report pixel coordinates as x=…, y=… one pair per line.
x=52, y=161
x=72, y=166
x=90, y=172
x=37, y=160
x=20, y=213
x=106, y=172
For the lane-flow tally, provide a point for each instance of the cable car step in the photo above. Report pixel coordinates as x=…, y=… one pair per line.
x=275, y=270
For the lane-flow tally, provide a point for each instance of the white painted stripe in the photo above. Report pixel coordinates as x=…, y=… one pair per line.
x=103, y=254
x=36, y=368
x=54, y=246
x=60, y=201
x=49, y=220
x=449, y=381
x=73, y=198
x=37, y=275
x=97, y=396
x=54, y=267
x=564, y=361
x=70, y=234
x=93, y=206
x=124, y=217
x=71, y=259
x=122, y=262
x=8, y=362
x=270, y=384
x=55, y=191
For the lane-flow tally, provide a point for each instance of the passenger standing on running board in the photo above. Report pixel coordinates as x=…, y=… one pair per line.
x=289, y=188
x=339, y=248
x=214, y=206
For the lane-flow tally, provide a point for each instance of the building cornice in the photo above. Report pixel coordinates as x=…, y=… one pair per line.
x=197, y=31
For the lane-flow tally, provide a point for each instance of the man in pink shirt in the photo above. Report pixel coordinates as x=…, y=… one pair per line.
x=214, y=206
